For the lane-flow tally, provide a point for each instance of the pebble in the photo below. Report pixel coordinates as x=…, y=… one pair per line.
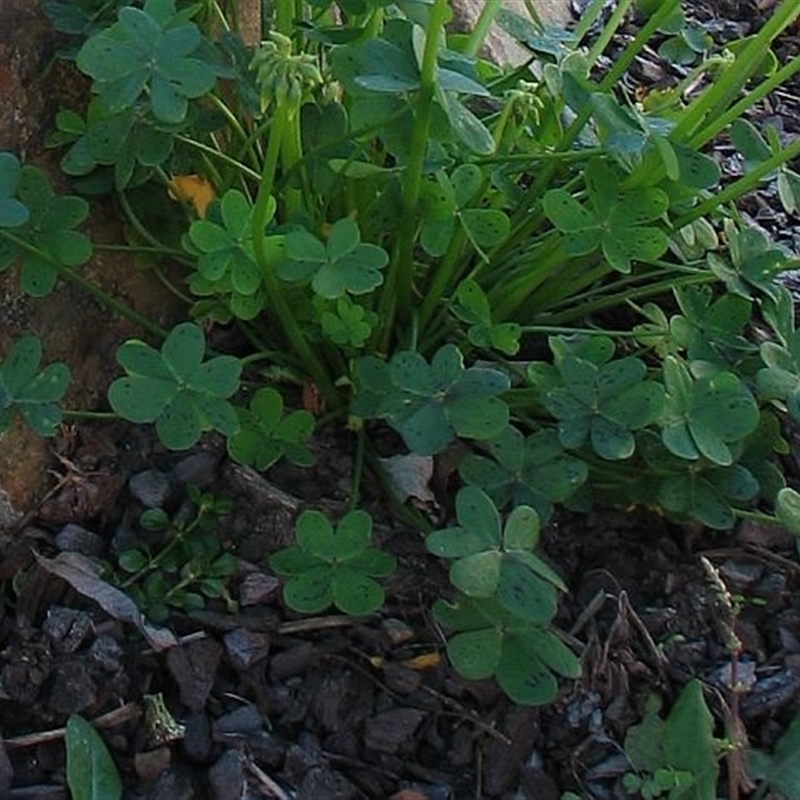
x=173, y=784
x=241, y=721
x=151, y=488
x=151, y=763
x=258, y=587
x=197, y=742
x=197, y=469
x=226, y=776
x=246, y=648
x=74, y=538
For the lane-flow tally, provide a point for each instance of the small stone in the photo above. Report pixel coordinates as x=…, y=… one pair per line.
x=389, y=731
x=194, y=667
x=67, y=628
x=106, y=653
x=739, y=574
x=258, y=587
x=397, y=631
x=302, y=757
x=76, y=539
x=245, y=647
x=151, y=763
x=151, y=488
x=402, y=679
x=197, y=469
x=321, y=782
x=294, y=661
x=173, y=784
x=239, y=722
x=73, y=689
x=197, y=742
x=226, y=777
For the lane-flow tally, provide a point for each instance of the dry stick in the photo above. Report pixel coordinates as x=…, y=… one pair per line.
x=108, y=720
x=269, y=785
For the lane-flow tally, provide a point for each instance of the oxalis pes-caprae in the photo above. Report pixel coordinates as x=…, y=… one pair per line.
x=400, y=224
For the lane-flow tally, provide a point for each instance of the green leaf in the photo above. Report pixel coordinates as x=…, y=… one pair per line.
x=175, y=389
x=787, y=507
x=691, y=721
x=13, y=213
x=475, y=654
x=32, y=393
x=355, y=593
x=142, y=57
x=310, y=591
x=781, y=770
x=91, y=773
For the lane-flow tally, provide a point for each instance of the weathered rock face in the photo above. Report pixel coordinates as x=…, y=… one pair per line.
x=26, y=47
x=71, y=326
x=500, y=47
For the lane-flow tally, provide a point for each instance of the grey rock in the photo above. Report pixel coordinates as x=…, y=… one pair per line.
x=151, y=488
x=226, y=777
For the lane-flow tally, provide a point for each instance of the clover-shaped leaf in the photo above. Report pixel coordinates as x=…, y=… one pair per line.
x=711, y=330
x=604, y=403
x=707, y=495
x=450, y=200
x=333, y=566
x=494, y=561
x=351, y=325
x=342, y=264
x=33, y=394
x=123, y=139
x=225, y=243
x=266, y=434
x=430, y=404
x=471, y=305
x=615, y=221
x=13, y=213
x=489, y=641
x=47, y=236
x=175, y=388
x=531, y=471
x=703, y=416
x=143, y=54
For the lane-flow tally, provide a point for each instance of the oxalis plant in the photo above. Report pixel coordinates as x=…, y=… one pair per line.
x=522, y=264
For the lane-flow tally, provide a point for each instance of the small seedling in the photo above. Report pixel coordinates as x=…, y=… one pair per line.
x=190, y=568
x=266, y=435
x=674, y=757
x=331, y=566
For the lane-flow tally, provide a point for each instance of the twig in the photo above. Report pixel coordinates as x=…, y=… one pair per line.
x=108, y=720
x=269, y=785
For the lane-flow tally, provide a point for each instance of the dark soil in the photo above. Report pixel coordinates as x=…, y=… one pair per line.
x=243, y=699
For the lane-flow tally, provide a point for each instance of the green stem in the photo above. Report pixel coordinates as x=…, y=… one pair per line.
x=358, y=468
x=396, y=295
x=284, y=16
x=718, y=124
x=75, y=414
x=87, y=286
x=716, y=99
x=277, y=297
x=609, y=29
x=742, y=186
x=482, y=25
x=243, y=168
